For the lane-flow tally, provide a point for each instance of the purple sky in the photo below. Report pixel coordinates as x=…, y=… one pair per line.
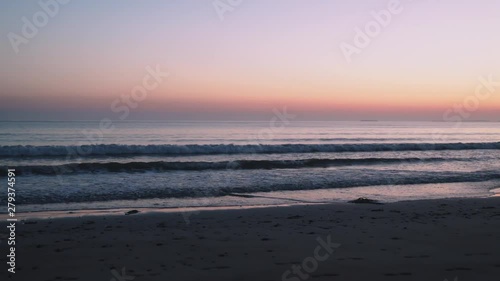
x=261, y=55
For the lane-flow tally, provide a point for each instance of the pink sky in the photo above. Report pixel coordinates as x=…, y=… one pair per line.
x=264, y=54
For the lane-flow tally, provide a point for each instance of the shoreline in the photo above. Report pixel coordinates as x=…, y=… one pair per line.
x=78, y=213
x=57, y=214
x=75, y=212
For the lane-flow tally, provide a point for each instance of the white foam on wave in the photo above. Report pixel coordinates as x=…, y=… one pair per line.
x=179, y=150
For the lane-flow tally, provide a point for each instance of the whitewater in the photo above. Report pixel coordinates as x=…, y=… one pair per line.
x=177, y=164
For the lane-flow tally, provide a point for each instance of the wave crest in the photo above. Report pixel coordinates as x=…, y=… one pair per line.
x=160, y=166
x=180, y=150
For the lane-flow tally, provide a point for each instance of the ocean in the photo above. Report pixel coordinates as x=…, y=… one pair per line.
x=91, y=165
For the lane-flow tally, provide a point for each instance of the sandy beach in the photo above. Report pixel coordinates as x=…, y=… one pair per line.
x=454, y=239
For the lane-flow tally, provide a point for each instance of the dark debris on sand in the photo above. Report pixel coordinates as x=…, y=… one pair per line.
x=132, y=212
x=364, y=200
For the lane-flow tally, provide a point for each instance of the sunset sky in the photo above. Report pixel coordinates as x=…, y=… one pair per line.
x=262, y=55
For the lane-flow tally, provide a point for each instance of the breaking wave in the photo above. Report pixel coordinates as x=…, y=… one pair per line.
x=159, y=166
x=181, y=150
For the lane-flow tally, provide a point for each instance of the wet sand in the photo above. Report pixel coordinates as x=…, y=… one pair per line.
x=454, y=239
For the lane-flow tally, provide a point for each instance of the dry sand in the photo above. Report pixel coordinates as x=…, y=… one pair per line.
x=454, y=239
